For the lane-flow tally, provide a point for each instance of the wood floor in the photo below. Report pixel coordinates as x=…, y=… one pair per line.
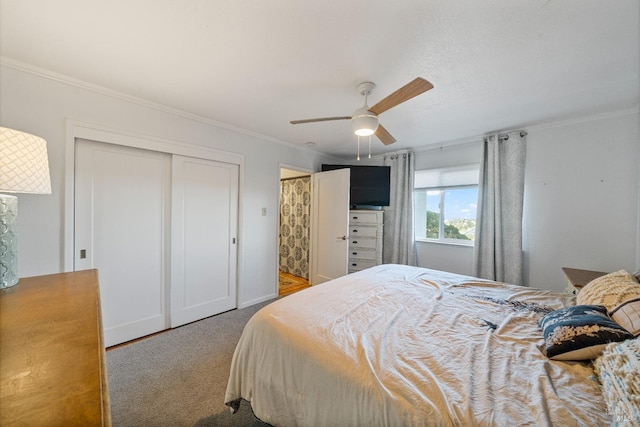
x=288, y=284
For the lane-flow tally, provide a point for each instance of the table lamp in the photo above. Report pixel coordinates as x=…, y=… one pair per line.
x=24, y=168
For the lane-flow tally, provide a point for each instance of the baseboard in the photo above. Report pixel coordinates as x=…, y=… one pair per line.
x=258, y=300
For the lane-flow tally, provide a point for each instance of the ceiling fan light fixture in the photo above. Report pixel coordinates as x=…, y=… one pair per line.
x=364, y=122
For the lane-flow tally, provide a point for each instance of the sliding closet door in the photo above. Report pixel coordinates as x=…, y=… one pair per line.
x=203, y=243
x=122, y=201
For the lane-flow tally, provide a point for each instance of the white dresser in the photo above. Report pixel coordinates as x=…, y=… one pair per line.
x=365, y=239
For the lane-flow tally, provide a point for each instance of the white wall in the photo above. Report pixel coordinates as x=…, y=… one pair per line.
x=40, y=105
x=582, y=190
x=582, y=199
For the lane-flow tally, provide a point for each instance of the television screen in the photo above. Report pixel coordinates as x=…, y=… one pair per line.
x=370, y=185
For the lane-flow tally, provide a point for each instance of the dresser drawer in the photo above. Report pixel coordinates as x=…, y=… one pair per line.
x=363, y=254
x=362, y=231
x=363, y=218
x=362, y=243
x=360, y=264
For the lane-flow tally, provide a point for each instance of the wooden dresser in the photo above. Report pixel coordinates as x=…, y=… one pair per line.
x=52, y=357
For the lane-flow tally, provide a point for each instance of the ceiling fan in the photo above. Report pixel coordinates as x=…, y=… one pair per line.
x=365, y=121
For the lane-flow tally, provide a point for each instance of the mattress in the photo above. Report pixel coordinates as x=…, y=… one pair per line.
x=405, y=346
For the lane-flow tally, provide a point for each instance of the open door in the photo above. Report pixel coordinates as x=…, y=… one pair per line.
x=330, y=225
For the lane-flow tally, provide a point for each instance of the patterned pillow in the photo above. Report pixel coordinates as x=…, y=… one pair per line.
x=579, y=332
x=617, y=370
x=627, y=315
x=609, y=290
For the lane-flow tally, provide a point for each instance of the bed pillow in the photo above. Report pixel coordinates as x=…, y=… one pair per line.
x=617, y=370
x=579, y=332
x=627, y=315
x=609, y=290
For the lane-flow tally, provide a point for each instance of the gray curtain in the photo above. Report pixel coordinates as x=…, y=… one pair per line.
x=295, y=225
x=399, y=242
x=498, y=244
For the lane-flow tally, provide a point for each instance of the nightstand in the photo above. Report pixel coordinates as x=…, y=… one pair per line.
x=578, y=278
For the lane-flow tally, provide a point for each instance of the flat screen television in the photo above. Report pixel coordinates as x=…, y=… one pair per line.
x=370, y=185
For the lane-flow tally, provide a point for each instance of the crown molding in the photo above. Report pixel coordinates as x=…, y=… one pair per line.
x=62, y=78
x=101, y=90
x=533, y=127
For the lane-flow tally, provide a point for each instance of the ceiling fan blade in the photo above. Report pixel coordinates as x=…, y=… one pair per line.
x=322, y=119
x=405, y=93
x=384, y=135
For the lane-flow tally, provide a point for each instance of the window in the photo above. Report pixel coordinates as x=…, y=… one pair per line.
x=445, y=202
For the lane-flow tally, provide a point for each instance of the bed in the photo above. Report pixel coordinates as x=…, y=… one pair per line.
x=397, y=345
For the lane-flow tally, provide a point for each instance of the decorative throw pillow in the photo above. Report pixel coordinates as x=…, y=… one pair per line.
x=609, y=290
x=617, y=370
x=579, y=332
x=627, y=315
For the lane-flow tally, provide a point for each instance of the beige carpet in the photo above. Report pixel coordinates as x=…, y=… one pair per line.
x=179, y=377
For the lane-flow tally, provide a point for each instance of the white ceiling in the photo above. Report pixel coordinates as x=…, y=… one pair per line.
x=255, y=64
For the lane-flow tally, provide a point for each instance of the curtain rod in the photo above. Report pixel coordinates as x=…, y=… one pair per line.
x=294, y=177
x=505, y=136
x=395, y=155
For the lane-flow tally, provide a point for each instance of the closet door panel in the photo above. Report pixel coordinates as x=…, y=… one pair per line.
x=121, y=228
x=204, y=224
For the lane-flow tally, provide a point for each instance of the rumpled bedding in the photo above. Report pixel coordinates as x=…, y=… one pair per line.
x=405, y=346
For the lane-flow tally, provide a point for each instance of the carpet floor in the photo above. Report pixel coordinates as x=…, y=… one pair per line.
x=179, y=377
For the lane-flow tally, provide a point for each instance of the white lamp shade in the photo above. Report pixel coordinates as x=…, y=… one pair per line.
x=24, y=165
x=364, y=122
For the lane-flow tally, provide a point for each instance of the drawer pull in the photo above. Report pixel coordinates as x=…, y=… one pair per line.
x=355, y=217
x=354, y=264
x=355, y=231
x=355, y=242
x=354, y=253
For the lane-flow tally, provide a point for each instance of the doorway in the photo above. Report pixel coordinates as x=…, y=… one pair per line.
x=294, y=237
x=328, y=225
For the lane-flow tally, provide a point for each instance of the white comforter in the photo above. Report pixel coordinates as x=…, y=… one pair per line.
x=405, y=346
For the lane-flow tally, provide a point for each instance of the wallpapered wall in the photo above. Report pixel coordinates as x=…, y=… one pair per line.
x=295, y=224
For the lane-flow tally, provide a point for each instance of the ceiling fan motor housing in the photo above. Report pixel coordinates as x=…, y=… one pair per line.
x=364, y=122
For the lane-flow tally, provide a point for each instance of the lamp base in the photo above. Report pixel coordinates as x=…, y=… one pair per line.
x=8, y=241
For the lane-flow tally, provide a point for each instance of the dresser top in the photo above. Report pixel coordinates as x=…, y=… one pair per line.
x=52, y=369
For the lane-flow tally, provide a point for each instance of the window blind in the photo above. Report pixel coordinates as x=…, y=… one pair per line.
x=450, y=176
